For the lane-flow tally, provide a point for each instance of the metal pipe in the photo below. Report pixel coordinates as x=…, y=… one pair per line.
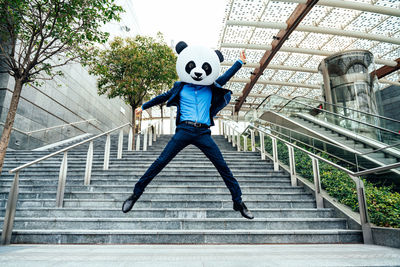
x=238, y=141
x=10, y=211
x=107, y=148
x=315, y=29
x=275, y=154
x=299, y=50
x=64, y=149
x=138, y=142
x=120, y=143
x=312, y=86
x=292, y=165
x=130, y=137
x=364, y=7
x=317, y=183
x=89, y=164
x=362, y=203
x=145, y=139
x=61, y=181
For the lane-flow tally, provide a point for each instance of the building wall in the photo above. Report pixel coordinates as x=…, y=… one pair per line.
x=391, y=101
x=68, y=99
x=64, y=100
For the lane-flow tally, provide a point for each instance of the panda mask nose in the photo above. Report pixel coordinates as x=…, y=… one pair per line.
x=198, y=74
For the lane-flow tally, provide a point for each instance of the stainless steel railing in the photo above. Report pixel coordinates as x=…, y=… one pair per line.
x=355, y=176
x=54, y=127
x=13, y=195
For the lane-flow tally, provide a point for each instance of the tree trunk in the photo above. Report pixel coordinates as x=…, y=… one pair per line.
x=5, y=137
x=133, y=128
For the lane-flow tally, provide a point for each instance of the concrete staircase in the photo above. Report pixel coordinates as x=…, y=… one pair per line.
x=186, y=203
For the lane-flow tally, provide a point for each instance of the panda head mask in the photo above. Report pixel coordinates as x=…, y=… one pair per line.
x=197, y=64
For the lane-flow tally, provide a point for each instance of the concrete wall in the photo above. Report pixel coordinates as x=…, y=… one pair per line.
x=67, y=99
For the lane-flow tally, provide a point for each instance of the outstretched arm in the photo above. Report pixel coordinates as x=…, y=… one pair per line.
x=224, y=78
x=155, y=101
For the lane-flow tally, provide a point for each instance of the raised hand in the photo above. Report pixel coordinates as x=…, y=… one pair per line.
x=138, y=110
x=243, y=57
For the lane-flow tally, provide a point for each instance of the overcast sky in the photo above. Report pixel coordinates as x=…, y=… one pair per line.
x=195, y=22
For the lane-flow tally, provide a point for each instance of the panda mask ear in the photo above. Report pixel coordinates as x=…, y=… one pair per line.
x=220, y=56
x=180, y=46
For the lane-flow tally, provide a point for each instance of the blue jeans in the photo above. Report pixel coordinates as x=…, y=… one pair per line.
x=201, y=138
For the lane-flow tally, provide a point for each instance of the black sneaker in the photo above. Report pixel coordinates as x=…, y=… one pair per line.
x=128, y=204
x=243, y=210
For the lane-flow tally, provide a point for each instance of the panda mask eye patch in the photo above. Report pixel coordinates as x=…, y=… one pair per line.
x=189, y=66
x=207, y=68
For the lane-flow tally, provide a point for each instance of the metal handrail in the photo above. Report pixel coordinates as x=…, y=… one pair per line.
x=13, y=195
x=59, y=126
x=355, y=151
x=383, y=168
x=339, y=115
x=51, y=128
x=367, y=113
x=355, y=176
x=326, y=111
x=148, y=135
x=65, y=149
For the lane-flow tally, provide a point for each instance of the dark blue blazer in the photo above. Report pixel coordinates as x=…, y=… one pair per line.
x=220, y=96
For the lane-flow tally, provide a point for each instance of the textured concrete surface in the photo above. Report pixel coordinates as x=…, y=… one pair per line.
x=199, y=255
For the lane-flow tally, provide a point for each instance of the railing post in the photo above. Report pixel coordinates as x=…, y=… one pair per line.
x=220, y=126
x=238, y=141
x=253, y=141
x=362, y=204
x=145, y=140
x=155, y=132
x=130, y=136
x=233, y=138
x=172, y=117
x=317, y=183
x=107, y=153
x=89, y=163
x=292, y=165
x=229, y=133
x=262, y=145
x=275, y=154
x=61, y=181
x=10, y=211
x=244, y=143
x=120, y=143
x=138, y=142
x=225, y=130
x=150, y=136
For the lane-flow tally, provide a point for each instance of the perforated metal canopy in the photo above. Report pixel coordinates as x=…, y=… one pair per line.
x=331, y=26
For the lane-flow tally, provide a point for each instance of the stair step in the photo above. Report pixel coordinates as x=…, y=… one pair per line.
x=169, y=213
x=200, y=196
x=186, y=236
x=164, y=189
x=123, y=223
x=162, y=203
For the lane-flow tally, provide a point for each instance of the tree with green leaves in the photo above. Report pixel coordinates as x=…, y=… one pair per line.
x=134, y=69
x=37, y=36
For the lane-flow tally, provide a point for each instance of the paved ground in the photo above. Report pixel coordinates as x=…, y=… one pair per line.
x=198, y=255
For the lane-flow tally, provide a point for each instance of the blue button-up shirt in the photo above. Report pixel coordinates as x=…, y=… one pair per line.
x=195, y=102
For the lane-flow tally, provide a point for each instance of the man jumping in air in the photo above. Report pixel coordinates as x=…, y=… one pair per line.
x=199, y=96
